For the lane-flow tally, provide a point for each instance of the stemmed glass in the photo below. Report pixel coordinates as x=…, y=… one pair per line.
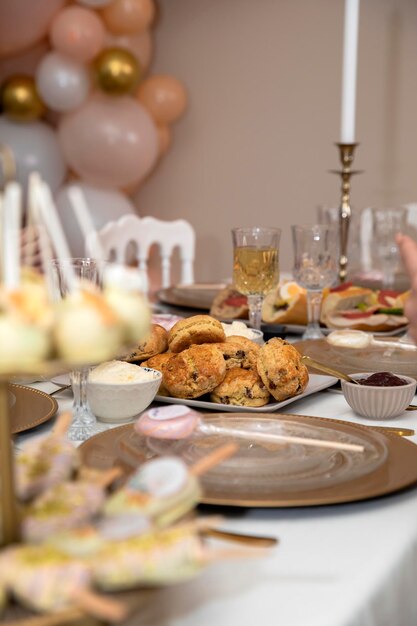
x=386, y=224
x=84, y=423
x=255, y=266
x=315, y=267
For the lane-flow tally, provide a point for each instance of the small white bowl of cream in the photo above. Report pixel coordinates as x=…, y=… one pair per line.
x=239, y=328
x=117, y=391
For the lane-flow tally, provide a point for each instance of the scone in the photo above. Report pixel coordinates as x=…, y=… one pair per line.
x=236, y=354
x=281, y=369
x=195, y=330
x=194, y=372
x=251, y=349
x=155, y=343
x=241, y=388
x=158, y=362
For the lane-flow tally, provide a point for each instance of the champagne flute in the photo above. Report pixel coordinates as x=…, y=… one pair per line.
x=386, y=224
x=84, y=423
x=315, y=267
x=255, y=266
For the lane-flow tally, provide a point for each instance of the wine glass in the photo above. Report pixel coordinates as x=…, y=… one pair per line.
x=255, y=266
x=315, y=267
x=84, y=423
x=386, y=224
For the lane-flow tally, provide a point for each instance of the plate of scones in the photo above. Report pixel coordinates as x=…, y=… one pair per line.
x=202, y=367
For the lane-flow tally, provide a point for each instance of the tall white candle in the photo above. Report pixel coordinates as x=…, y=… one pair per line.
x=12, y=223
x=350, y=56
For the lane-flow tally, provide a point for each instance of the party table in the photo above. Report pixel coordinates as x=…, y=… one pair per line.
x=342, y=565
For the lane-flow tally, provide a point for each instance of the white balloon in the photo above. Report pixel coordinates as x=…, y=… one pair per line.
x=63, y=83
x=35, y=148
x=104, y=205
x=95, y=3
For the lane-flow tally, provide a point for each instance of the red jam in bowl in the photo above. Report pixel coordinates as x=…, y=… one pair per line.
x=382, y=379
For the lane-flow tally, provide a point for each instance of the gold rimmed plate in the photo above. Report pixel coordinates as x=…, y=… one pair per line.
x=276, y=475
x=29, y=407
x=195, y=296
x=355, y=360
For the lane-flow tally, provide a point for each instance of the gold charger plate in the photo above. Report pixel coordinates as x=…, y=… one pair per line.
x=31, y=408
x=355, y=360
x=196, y=296
x=243, y=484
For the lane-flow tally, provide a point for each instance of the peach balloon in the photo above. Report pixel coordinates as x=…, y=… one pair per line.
x=164, y=97
x=141, y=46
x=109, y=142
x=165, y=138
x=78, y=32
x=24, y=23
x=128, y=17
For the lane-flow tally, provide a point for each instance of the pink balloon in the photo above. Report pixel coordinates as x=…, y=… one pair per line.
x=24, y=62
x=78, y=32
x=141, y=46
x=109, y=142
x=24, y=23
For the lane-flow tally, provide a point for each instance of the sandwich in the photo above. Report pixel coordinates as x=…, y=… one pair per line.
x=230, y=304
x=359, y=308
x=286, y=305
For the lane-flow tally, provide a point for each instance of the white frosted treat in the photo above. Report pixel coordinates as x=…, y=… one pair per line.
x=22, y=343
x=119, y=372
x=133, y=311
x=238, y=328
x=87, y=330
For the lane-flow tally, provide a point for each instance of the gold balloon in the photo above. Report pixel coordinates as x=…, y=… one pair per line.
x=117, y=71
x=20, y=100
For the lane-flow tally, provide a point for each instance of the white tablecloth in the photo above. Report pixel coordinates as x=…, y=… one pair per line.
x=343, y=565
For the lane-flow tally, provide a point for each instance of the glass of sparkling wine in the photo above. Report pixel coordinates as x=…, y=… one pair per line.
x=255, y=266
x=315, y=267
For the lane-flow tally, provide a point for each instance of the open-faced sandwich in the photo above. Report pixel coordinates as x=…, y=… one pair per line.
x=349, y=306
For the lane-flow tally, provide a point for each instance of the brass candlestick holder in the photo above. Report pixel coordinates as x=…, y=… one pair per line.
x=347, y=151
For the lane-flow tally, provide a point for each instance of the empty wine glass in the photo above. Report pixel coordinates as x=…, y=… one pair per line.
x=315, y=267
x=84, y=423
x=255, y=266
x=386, y=224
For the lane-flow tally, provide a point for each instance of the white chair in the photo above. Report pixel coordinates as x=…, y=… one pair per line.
x=116, y=239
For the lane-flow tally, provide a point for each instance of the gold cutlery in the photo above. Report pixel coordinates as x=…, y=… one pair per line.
x=254, y=540
x=327, y=370
x=63, y=388
x=395, y=430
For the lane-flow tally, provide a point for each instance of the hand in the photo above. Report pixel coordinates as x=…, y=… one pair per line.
x=408, y=251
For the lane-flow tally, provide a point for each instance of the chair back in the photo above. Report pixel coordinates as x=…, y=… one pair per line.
x=116, y=238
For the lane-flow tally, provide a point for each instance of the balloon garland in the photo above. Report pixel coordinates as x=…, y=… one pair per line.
x=76, y=97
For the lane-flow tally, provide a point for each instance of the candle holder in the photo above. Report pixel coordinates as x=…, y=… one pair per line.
x=347, y=151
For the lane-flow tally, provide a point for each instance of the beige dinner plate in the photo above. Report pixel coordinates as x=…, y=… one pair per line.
x=356, y=360
x=260, y=477
x=30, y=408
x=196, y=296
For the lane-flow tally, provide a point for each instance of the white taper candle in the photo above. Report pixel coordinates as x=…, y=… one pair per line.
x=350, y=56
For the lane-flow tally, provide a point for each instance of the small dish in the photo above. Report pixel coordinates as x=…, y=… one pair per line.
x=121, y=402
x=378, y=402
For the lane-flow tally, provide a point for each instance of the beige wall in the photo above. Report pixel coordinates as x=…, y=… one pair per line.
x=264, y=85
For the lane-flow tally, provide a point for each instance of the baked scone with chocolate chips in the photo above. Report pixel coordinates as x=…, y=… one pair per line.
x=281, y=369
x=241, y=388
x=194, y=372
x=155, y=343
x=236, y=354
x=195, y=330
x=251, y=348
x=158, y=362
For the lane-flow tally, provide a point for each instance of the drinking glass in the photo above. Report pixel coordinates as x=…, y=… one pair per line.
x=315, y=267
x=386, y=224
x=255, y=266
x=84, y=423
